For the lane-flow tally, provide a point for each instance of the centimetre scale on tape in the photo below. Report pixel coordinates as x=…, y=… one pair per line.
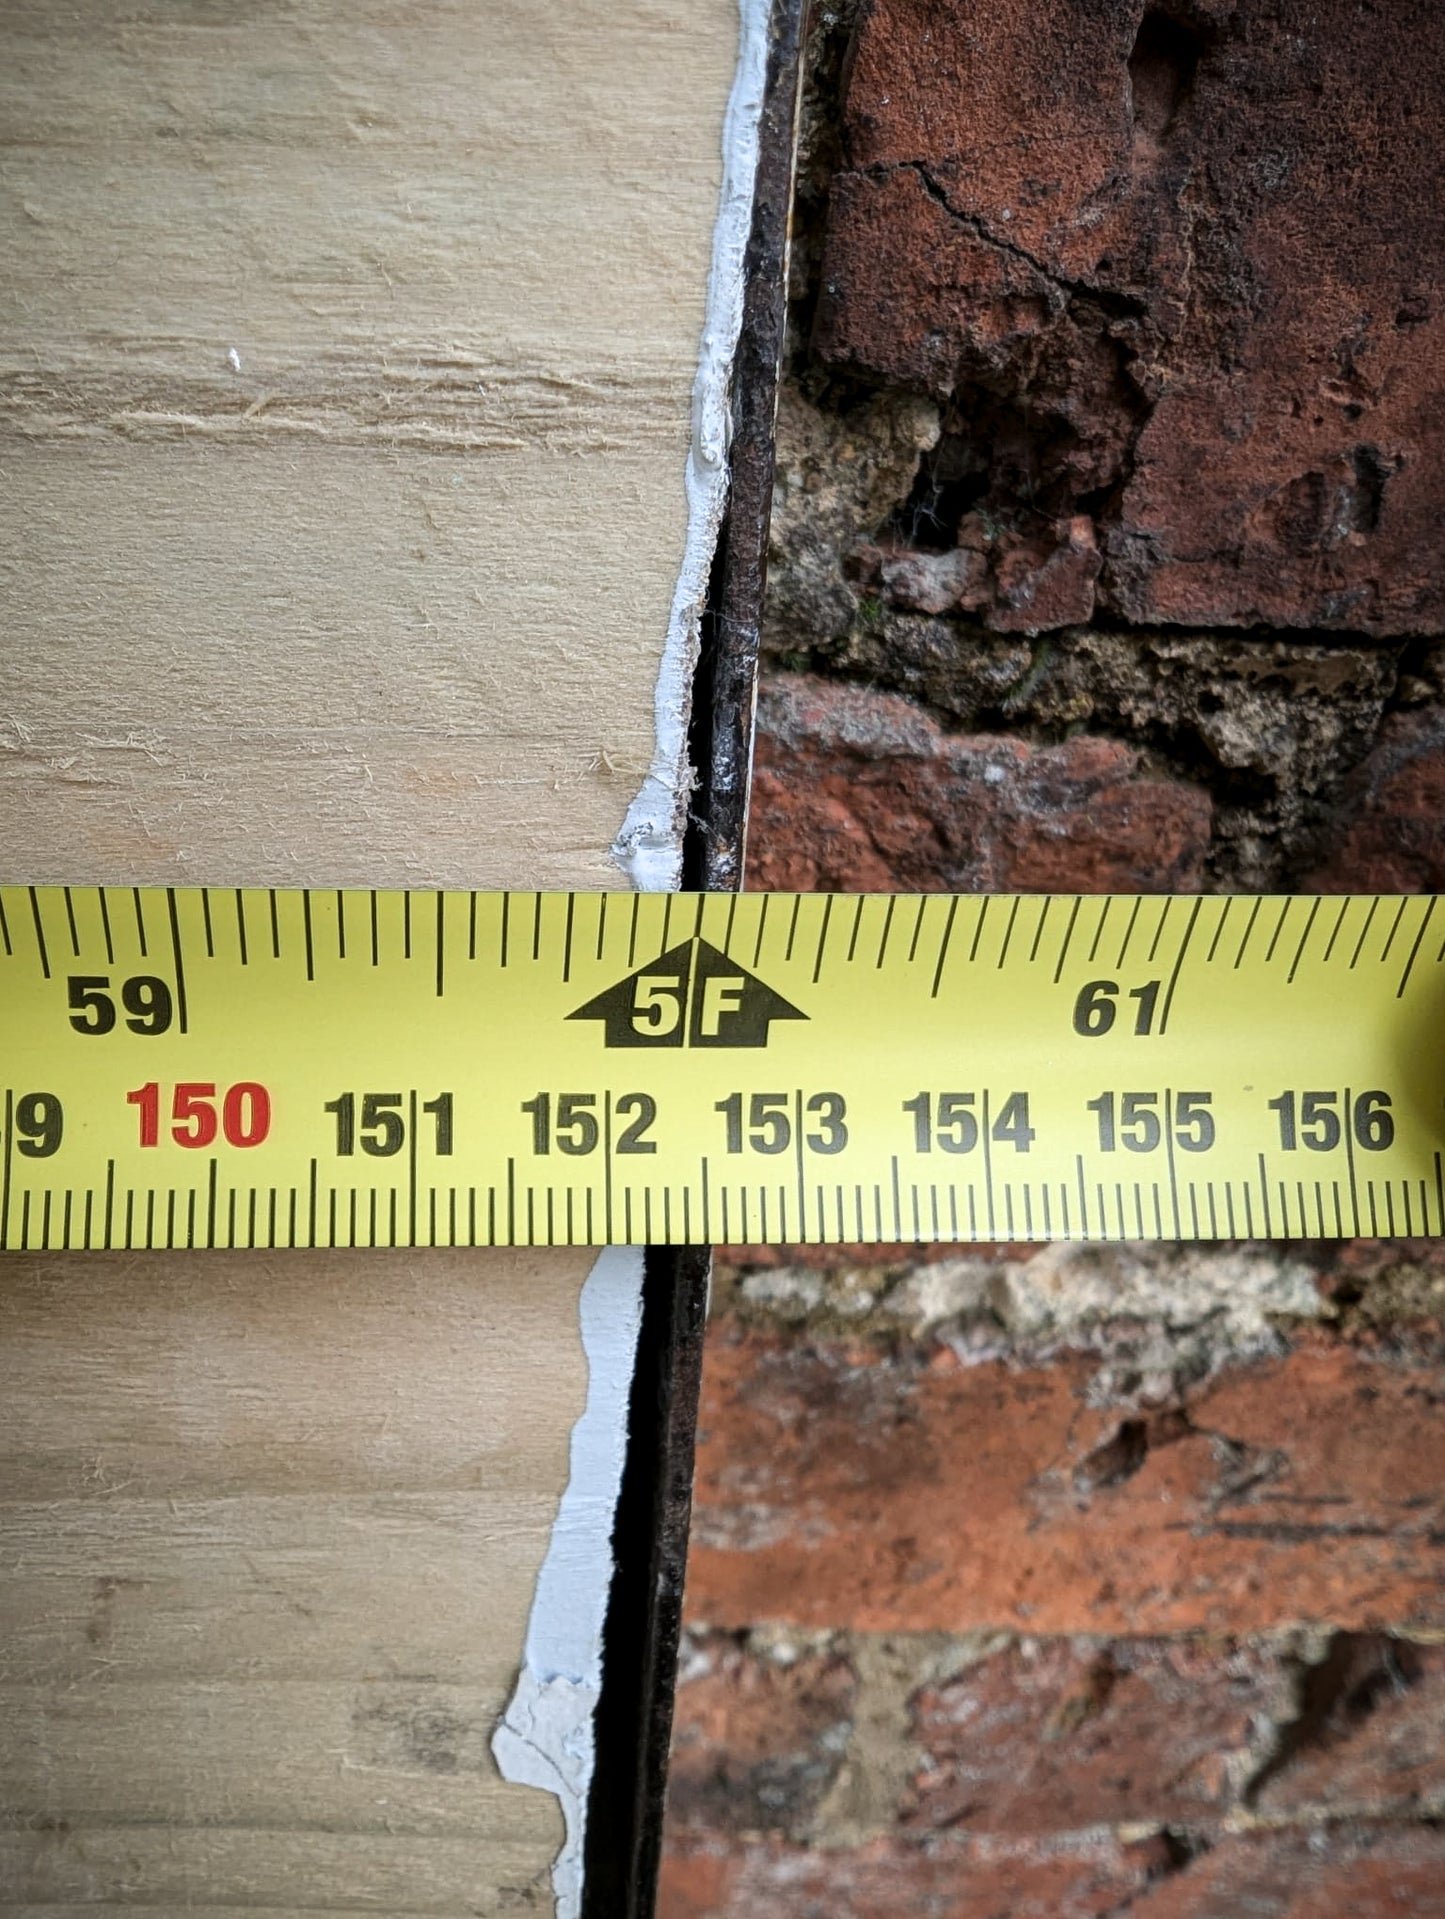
x=202, y=1067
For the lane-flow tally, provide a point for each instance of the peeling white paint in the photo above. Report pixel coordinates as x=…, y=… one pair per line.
x=649, y=847
x=546, y=1735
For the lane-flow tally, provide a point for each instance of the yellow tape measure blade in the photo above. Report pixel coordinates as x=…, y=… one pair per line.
x=218, y=1068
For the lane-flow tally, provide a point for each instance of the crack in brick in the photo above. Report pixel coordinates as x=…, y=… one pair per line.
x=1107, y=298
x=1095, y=314
x=1176, y=176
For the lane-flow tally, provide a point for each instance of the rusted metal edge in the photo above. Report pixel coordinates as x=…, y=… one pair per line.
x=725, y=690
x=644, y=1615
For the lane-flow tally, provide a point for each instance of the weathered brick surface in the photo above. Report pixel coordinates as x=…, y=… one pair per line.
x=1371, y=1737
x=1176, y=271
x=757, y=1741
x=891, y=1879
x=838, y=1487
x=1105, y=555
x=1267, y=725
x=867, y=793
x=1389, y=832
x=1054, y=1734
x=1334, y=1873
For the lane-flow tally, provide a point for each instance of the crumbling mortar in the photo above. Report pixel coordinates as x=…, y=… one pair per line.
x=1271, y=817
x=1320, y=1819
x=872, y=1758
x=848, y=460
x=1272, y=811
x=1159, y=1320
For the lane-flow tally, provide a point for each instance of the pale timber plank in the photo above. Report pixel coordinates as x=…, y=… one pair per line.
x=345, y=376
x=274, y=1559
x=283, y=1373
x=346, y=353
x=342, y=1587
x=233, y=1867
x=371, y=1758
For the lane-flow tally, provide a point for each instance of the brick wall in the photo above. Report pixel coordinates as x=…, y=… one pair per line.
x=1050, y=1583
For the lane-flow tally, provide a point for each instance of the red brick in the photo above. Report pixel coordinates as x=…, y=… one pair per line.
x=883, y=1254
x=756, y=1743
x=1389, y=835
x=1185, y=283
x=694, y=1885
x=1330, y=1873
x=839, y=1486
x=1051, y=1735
x=893, y=1879
x=1377, y=1742
x=865, y=792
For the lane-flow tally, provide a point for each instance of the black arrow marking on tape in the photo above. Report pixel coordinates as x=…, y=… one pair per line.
x=693, y=995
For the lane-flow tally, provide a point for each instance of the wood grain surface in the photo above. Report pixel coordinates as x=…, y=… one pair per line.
x=346, y=356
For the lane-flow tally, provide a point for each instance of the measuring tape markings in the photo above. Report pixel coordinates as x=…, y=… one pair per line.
x=304, y=1068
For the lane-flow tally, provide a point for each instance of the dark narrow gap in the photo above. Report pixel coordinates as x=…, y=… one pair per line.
x=1162, y=67
x=633, y=1721
x=1367, y=497
x=1359, y=1673
x=951, y=480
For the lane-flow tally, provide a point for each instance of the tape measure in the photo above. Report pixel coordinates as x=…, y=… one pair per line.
x=205, y=1068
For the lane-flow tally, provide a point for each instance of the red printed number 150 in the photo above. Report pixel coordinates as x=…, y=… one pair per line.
x=242, y=1118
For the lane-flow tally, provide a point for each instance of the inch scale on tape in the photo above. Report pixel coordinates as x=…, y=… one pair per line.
x=197, y=1067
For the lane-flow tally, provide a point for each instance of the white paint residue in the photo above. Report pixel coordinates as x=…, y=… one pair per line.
x=546, y=1735
x=649, y=847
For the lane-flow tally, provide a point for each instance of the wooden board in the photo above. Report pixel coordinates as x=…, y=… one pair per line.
x=347, y=357
x=268, y=1560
